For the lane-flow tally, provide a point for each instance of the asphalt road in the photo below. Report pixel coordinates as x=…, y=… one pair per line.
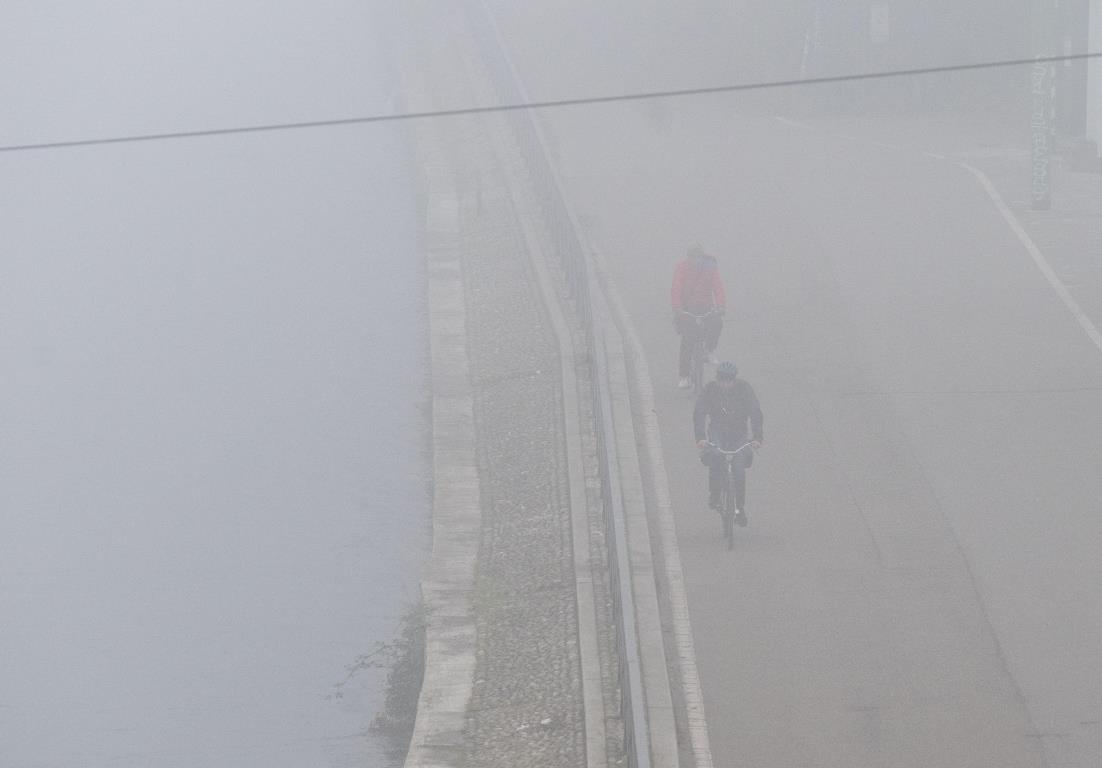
x=919, y=582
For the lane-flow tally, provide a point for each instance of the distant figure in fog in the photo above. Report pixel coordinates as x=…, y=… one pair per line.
x=699, y=300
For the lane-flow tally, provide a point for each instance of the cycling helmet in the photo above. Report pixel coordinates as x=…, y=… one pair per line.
x=726, y=370
x=697, y=250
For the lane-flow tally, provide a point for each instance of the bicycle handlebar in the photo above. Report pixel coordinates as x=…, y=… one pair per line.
x=731, y=453
x=709, y=313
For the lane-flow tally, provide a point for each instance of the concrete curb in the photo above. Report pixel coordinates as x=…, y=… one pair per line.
x=438, y=739
x=644, y=578
x=646, y=422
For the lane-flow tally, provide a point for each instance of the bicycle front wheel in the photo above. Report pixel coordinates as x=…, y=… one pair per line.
x=729, y=509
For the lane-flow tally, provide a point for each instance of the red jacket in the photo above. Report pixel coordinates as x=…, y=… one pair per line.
x=697, y=286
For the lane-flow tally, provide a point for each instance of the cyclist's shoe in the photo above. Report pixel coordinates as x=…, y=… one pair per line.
x=684, y=383
x=740, y=518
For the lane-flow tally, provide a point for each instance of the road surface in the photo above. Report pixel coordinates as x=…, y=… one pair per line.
x=918, y=585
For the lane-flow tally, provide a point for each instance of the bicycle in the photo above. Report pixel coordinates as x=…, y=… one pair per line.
x=700, y=354
x=727, y=499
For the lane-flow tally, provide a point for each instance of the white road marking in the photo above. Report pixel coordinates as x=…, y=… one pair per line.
x=1038, y=257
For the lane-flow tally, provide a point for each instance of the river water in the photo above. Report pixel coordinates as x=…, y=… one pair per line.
x=213, y=500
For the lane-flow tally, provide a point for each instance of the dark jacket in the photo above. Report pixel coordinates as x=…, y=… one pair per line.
x=726, y=413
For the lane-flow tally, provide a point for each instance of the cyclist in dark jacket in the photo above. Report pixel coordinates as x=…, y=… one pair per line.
x=728, y=414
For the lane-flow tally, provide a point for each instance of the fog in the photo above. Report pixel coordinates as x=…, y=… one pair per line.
x=213, y=504
x=213, y=476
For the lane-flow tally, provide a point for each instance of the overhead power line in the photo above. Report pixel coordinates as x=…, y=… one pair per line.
x=555, y=103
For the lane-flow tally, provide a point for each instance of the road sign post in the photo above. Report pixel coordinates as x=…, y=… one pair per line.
x=1042, y=123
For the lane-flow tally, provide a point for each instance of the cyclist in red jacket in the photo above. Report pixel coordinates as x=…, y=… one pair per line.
x=697, y=290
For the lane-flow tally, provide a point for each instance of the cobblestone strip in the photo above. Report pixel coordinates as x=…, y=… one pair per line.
x=599, y=659
x=664, y=742
x=653, y=569
x=596, y=639
x=546, y=688
x=527, y=708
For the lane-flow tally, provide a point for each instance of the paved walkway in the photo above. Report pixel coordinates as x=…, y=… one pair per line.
x=906, y=594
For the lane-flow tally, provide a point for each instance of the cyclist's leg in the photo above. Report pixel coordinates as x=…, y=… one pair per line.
x=739, y=472
x=740, y=487
x=713, y=326
x=684, y=362
x=687, y=329
x=716, y=480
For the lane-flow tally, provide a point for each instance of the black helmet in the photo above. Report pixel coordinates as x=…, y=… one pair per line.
x=726, y=370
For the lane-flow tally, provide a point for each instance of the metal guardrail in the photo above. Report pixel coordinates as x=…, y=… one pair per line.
x=565, y=233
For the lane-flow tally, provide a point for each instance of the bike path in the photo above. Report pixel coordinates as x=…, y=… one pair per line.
x=916, y=584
